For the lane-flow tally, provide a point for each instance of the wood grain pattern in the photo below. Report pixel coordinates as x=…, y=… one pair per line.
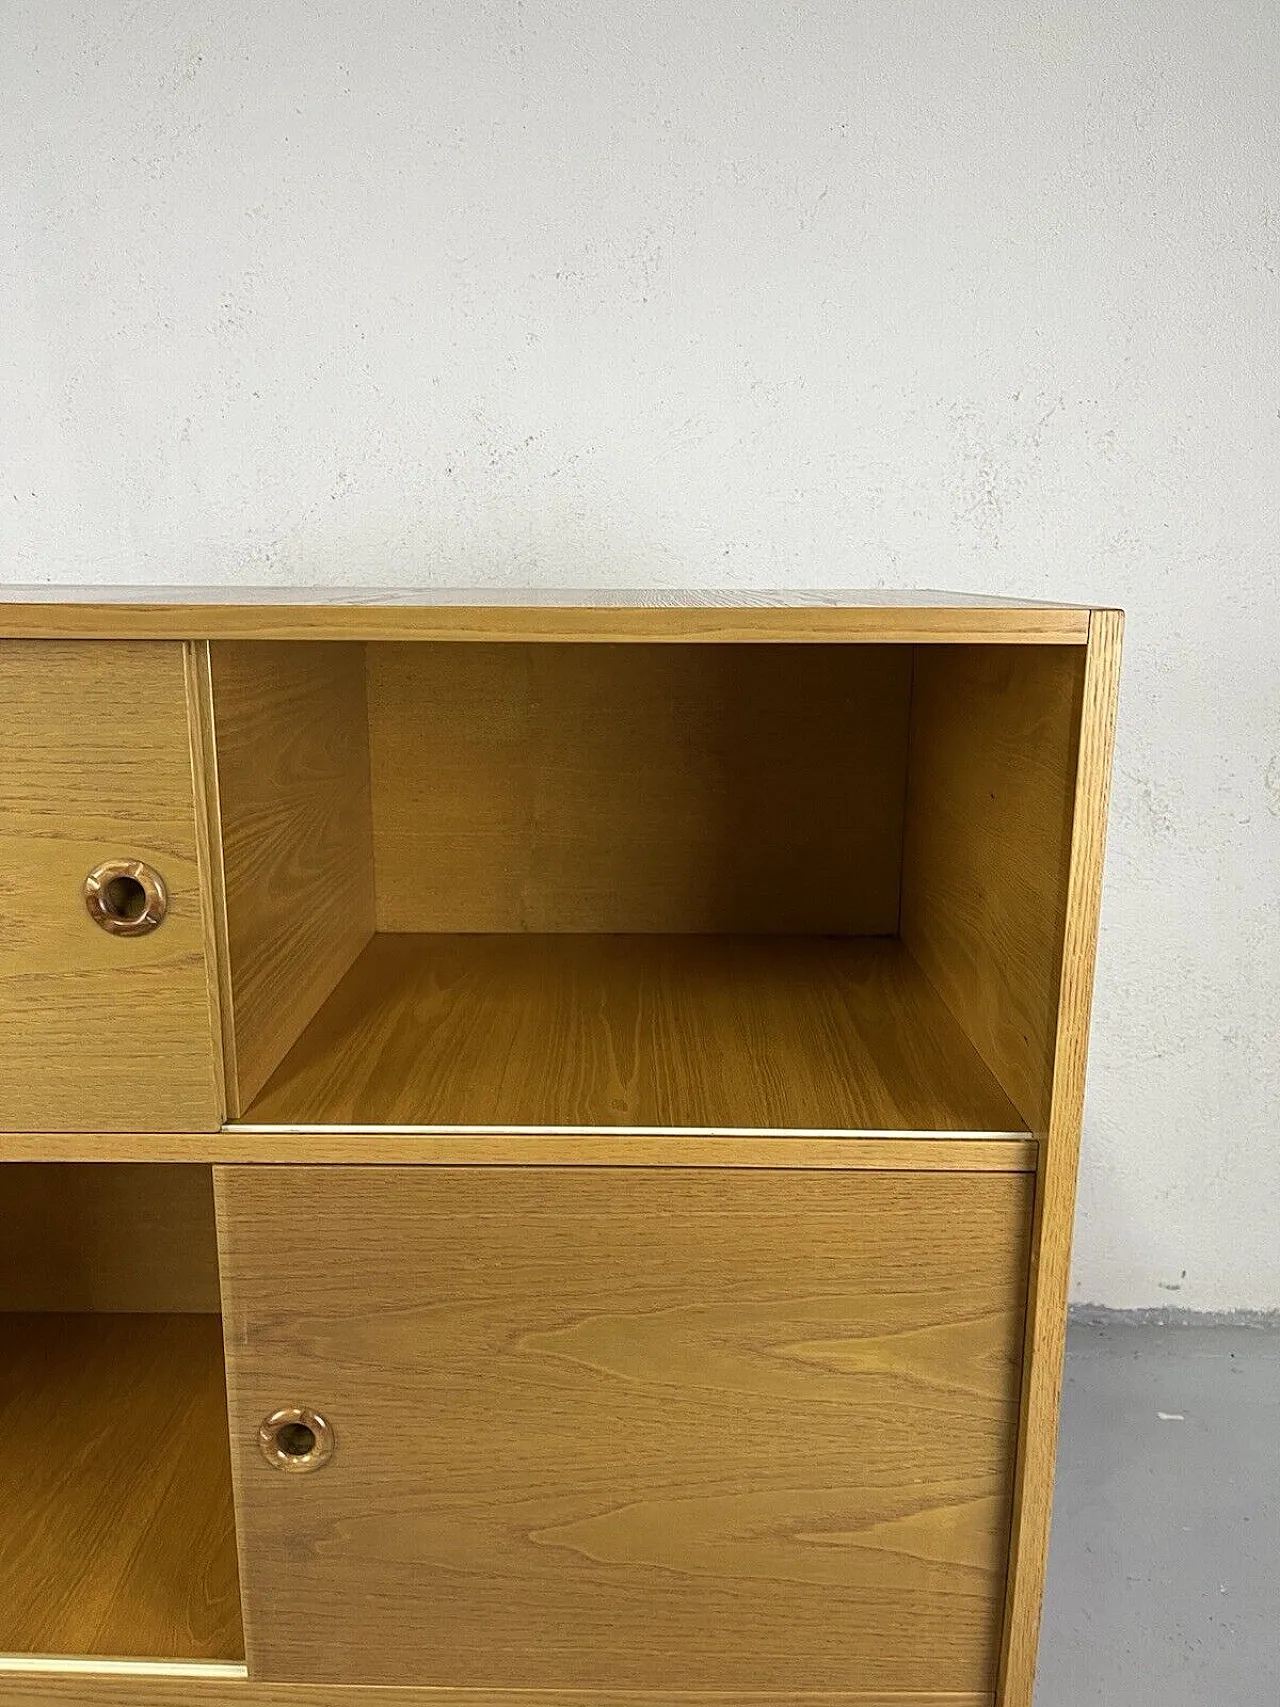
x=698, y=616
x=191, y=1692
x=992, y=781
x=1055, y=1207
x=297, y=851
x=133, y=1237
x=569, y=1149
x=99, y=1031
x=645, y=1430
x=686, y=1031
x=643, y=788
x=115, y=1488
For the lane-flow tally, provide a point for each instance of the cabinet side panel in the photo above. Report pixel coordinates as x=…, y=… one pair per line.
x=1056, y=1192
x=990, y=792
x=642, y=788
x=99, y=1032
x=291, y=739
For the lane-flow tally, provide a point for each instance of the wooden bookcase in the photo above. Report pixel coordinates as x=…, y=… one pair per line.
x=540, y=1163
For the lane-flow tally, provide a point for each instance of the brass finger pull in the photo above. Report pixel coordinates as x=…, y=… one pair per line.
x=126, y=897
x=296, y=1439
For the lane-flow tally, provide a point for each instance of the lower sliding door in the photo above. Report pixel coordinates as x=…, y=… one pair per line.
x=650, y=1428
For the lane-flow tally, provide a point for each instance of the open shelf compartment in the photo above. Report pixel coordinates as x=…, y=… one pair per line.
x=734, y=887
x=702, y=1033
x=115, y=1480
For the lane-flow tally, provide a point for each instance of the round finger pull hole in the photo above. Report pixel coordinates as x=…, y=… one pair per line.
x=125, y=897
x=296, y=1439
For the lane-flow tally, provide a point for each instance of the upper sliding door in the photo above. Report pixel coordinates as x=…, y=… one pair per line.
x=105, y=1016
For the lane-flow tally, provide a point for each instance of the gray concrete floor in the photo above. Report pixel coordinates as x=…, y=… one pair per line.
x=1164, y=1568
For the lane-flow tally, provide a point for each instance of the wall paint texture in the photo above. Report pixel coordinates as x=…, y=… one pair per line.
x=848, y=293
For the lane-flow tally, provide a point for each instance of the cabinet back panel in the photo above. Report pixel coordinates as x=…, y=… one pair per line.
x=638, y=788
x=126, y=1237
x=994, y=736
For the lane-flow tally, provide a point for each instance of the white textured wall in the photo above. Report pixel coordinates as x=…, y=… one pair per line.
x=950, y=292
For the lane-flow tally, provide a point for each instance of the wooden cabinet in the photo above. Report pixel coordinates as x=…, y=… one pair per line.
x=567, y=1190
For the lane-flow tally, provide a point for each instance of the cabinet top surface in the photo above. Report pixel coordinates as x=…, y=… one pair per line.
x=495, y=613
x=505, y=598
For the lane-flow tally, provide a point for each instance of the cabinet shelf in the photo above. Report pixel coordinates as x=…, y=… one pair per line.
x=115, y=1484
x=770, y=1033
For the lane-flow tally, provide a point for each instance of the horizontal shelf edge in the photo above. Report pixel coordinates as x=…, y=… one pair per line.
x=1011, y=1152
x=886, y=625
x=208, y=1689
x=935, y=1134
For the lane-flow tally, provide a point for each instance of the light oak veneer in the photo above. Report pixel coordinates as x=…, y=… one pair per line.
x=990, y=800
x=653, y=1030
x=822, y=1033
x=700, y=616
x=133, y=1237
x=1056, y=1194
x=471, y=1147
x=650, y=1429
x=142, y=1691
x=115, y=1490
x=96, y=764
x=638, y=788
x=295, y=844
